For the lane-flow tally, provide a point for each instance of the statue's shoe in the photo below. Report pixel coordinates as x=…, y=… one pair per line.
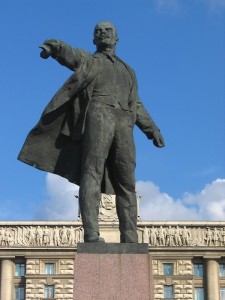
x=94, y=240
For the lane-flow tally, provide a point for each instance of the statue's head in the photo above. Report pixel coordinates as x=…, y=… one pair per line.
x=105, y=35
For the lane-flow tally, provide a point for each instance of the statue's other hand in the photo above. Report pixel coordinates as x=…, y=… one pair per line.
x=158, y=140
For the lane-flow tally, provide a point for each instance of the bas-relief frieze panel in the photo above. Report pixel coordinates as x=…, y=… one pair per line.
x=41, y=236
x=178, y=236
x=36, y=235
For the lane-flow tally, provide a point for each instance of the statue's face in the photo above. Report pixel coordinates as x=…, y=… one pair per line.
x=105, y=35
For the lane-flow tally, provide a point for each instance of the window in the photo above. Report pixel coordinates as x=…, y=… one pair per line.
x=49, y=291
x=168, y=292
x=199, y=293
x=222, y=293
x=49, y=269
x=198, y=270
x=222, y=270
x=168, y=269
x=20, y=270
x=19, y=293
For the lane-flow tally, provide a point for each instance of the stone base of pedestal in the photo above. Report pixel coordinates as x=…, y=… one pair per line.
x=113, y=272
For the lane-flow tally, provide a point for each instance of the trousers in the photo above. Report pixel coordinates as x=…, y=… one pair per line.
x=108, y=136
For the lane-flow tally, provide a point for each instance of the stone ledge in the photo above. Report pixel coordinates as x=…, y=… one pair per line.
x=112, y=248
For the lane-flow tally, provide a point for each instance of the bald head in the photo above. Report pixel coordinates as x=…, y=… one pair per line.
x=105, y=35
x=105, y=24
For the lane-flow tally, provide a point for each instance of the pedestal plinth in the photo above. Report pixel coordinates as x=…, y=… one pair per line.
x=113, y=272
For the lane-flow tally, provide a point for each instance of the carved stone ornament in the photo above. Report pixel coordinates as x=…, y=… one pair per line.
x=40, y=236
x=68, y=235
x=107, y=208
x=182, y=236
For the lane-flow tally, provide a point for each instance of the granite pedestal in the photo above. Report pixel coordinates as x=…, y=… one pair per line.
x=113, y=272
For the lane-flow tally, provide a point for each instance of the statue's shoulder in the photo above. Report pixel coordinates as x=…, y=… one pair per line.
x=85, y=54
x=85, y=62
x=92, y=59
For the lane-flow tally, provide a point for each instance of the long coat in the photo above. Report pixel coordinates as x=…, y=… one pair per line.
x=55, y=143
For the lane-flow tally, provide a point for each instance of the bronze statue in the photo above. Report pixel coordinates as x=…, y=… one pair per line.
x=85, y=133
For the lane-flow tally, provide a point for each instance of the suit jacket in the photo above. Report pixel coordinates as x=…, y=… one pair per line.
x=54, y=144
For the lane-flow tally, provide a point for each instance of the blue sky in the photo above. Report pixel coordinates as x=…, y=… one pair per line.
x=177, y=49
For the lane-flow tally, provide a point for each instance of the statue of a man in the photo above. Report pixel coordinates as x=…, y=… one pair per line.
x=85, y=133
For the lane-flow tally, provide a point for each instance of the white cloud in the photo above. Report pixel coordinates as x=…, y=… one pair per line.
x=208, y=204
x=61, y=203
x=160, y=206
x=210, y=201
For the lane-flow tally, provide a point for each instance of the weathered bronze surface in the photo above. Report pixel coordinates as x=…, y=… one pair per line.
x=85, y=133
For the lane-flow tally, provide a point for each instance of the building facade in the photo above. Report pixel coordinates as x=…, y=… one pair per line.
x=37, y=258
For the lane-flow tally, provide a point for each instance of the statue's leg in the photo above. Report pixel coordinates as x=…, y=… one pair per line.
x=99, y=131
x=122, y=163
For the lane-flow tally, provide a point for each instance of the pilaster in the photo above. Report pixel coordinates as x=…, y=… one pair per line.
x=7, y=277
x=212, y=280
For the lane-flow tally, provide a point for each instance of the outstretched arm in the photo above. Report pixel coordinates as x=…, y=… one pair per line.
x=63, y=53
x=148, y=126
